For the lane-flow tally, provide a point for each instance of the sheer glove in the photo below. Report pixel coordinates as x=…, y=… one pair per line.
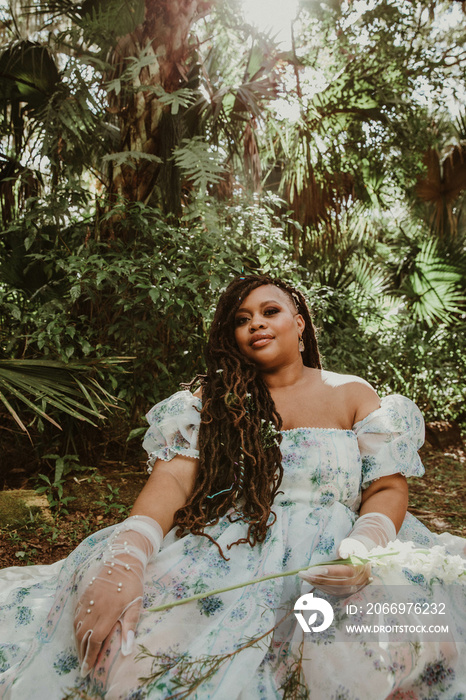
x=111, y=589
x=369, y=531
x=341, y=580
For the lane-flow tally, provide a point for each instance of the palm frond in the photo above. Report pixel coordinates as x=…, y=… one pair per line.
x=70, y=388
x=199, y=162
x=433, y=287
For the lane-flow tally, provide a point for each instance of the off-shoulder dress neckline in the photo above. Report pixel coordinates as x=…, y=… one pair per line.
x=299, y=428
x=317, y=429
x=392, y=401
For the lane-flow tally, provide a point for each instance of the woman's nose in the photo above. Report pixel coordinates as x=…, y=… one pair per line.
x=256, y=322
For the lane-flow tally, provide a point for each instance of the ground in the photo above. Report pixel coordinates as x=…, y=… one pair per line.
x=93, y=499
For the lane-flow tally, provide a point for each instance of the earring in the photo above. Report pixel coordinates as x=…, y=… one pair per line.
x=301, y=344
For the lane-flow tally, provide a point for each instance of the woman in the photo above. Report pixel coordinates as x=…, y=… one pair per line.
x=258, y=472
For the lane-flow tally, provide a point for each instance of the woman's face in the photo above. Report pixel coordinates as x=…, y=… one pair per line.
x=267, y=327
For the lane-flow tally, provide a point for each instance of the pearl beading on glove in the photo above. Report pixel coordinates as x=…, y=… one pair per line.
x=146, y=527
x=116, y=576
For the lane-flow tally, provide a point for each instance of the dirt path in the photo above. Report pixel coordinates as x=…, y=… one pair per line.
x=439, y=498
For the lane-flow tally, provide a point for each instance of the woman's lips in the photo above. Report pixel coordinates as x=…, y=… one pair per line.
x=260, y=342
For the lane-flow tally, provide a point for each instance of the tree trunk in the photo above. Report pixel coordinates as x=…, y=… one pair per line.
x=146, y=125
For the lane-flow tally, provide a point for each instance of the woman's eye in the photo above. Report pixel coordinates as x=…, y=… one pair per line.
x=240, y=321
x=270, y=312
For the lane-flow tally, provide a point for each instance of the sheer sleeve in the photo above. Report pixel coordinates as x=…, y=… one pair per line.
x=174, y=428
x=389, y=439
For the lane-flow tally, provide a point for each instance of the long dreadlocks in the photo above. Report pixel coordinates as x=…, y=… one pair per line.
x=240, y=466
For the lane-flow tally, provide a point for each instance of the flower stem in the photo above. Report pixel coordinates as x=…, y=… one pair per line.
x=198, y=596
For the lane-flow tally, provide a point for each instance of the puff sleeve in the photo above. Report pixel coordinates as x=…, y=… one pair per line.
x=174, y=428
x=389, y=439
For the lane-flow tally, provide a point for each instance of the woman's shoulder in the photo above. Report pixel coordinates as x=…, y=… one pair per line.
x=173, y=427
x=337, y=379
x=179, y=403
x=359, y=396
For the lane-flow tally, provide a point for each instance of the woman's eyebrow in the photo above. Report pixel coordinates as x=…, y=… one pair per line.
x=244, y=309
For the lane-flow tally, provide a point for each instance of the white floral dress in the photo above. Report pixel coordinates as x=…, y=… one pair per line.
x=246, y=644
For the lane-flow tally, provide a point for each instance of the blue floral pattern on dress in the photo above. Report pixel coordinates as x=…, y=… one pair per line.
x=389, y=439
x=436, y=678
x=174, y=428
x=210, y=606
x=24, y=615
x=66, y=662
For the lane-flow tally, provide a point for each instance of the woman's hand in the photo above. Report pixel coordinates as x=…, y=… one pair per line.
x=370, y=530
x=102, y=603
x=111, y=589
x=110, y=595
x=340, y=580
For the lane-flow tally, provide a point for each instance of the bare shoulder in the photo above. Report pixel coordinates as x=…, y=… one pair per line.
x=198, y=393
x=339, y=380
x=360, y=397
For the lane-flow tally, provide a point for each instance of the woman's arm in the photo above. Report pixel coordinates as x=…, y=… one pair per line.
x=167, y=489
x=110, y=590
x=387, y=495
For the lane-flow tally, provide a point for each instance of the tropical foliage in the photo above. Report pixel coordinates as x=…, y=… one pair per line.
x=152, y=150
x=54, y=383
